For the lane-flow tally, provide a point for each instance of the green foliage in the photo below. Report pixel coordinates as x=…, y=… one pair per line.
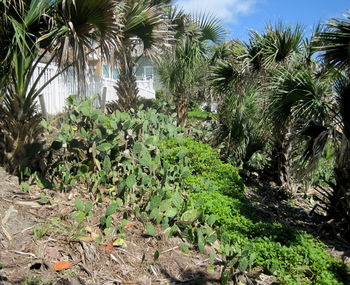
x=201, y=156
x=276, y=247
x=82, y=210
x=208, y=172
x=182, y=187
x=41, y=230
x=237, y=262
x=198, y=114
x=241, y=130
x=34, y=280
x=30, y=31
x=97, y=149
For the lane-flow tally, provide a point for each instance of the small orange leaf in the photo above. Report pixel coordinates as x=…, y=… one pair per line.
x=128, y=226
x=62, y=265
x=109, y=247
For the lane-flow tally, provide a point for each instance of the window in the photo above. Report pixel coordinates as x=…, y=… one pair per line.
x=106, y=72
x=148, y=72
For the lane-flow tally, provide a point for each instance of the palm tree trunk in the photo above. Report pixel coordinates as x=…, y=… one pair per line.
x=339, y=209
x=126, y=88
x=281, y=161
x=182, y=109
x=285, y=168
x=20, y=128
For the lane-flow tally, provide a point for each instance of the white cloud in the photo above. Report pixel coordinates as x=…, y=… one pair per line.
x=227, y=10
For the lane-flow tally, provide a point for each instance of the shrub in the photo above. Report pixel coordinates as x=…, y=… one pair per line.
x=201, y=156
x=95, y=149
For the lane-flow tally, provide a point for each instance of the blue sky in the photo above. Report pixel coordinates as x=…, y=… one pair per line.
x=240, y=15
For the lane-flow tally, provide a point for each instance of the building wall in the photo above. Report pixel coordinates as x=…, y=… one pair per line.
x=56, y=93
x=142, y=66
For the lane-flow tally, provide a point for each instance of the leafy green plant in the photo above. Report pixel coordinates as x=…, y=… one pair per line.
x=41, y=230
x=198, y=114
x=275, y=247
x=237, y=262
x=106, y=221
x=33, y=280
x=207, y=171
x=94, y=149
x=82, y=210
x=180, y=187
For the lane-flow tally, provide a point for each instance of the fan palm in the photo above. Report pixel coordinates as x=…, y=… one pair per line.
x=181, y=73
x=145, y=29
x=250, y=63
x=298, y=94
x=334, y=43
x=241, y=130
x=183, y=70
x=62, y=31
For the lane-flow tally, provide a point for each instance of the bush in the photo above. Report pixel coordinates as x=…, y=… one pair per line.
x=180, y=184
x=95, y=149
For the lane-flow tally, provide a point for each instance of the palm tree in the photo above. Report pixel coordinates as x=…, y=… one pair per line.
x=62, y=31
x=251, y=64
x=241, y=133
x=146, y=31
x=334, y=44
x=299, y=94
x=183, y=69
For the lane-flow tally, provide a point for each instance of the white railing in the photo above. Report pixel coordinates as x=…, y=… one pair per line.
x=56, y=93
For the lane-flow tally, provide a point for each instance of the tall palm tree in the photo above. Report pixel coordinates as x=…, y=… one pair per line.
x=334, y=44
x=62, y=31
x=145, y=32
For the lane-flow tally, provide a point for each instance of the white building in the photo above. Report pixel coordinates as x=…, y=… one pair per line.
x=56, y=93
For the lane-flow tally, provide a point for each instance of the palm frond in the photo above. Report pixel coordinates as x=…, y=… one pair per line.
x=342, y=89
x=280, y=42
x=145, y=24
x=334, y=42
x=82, y=27
x=210, y=26
x=299, y=93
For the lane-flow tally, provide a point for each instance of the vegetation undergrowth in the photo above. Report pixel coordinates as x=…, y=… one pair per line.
x=216, y=190
x=141, y=160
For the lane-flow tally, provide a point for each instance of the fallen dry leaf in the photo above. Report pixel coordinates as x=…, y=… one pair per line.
x=109, y=247
x=86, y=238
x=62, y=265
x=128, y=226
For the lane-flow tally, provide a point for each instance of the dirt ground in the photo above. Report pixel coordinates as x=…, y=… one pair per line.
x=24, y=254
x=37, y=231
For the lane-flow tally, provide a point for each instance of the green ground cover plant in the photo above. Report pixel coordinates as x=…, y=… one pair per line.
x=294, y=256
x=198, y=114
x=217, y=191
x=175, y=184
